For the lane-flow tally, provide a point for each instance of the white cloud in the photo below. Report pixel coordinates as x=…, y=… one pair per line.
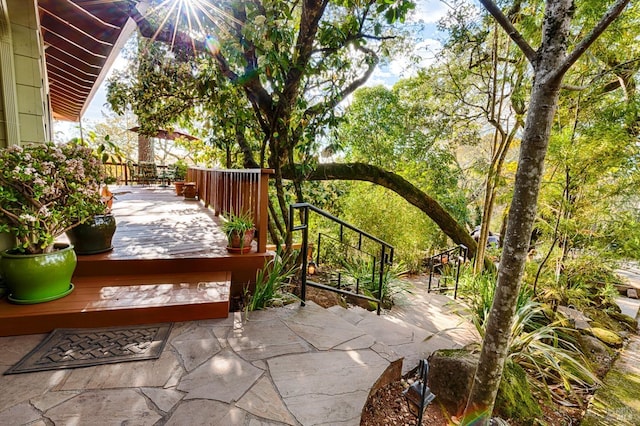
x=423, y=54
x=427, y=11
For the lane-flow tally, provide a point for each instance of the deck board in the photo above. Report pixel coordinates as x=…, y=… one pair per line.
x=99, y=301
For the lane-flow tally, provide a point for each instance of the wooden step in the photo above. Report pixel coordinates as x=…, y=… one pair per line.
x=124, y=299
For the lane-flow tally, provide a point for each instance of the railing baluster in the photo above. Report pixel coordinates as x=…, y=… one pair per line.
x=236, y=191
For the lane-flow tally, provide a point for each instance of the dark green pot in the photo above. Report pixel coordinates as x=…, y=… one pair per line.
x=36, y=278
x=93, y=236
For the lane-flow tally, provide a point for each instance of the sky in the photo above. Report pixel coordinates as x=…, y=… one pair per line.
x=422, y=19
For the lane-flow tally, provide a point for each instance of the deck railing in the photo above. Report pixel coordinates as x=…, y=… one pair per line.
x=236, y=191
x=129, y=173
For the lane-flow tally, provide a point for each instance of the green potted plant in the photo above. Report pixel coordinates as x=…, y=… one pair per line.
x=94, y=234
x=240, y=231
x=180, y=174
x=45, y=190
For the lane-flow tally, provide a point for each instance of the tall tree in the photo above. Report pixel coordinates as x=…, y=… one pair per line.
x=550, y=63
x=486, y=74
x=293, y=60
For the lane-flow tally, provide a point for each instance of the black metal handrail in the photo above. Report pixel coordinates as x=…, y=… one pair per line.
x=453, y=256
x=386, y=251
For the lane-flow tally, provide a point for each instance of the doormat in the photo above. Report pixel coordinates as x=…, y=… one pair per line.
x=83, y=347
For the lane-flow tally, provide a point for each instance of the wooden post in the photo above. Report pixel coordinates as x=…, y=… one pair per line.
x=263, y=209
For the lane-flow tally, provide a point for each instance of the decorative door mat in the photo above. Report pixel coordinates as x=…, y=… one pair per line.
x=84, y=347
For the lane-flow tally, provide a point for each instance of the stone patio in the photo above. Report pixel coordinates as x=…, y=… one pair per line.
x=293, y=365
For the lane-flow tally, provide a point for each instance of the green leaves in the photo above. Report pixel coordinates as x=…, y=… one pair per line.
x=47, y=189
x=395, y=10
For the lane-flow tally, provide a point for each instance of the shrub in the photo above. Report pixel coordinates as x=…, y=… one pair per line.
x=362, y=272
x=270, y=282
x=46, y=190
x=538, y=344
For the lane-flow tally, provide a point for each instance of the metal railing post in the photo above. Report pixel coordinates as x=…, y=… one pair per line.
x=381, y=277
x=318, y=251
x=305, y=241
x=455, y=291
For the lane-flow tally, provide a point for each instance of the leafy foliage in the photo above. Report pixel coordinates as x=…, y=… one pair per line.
x=365, y=274
x=478, y=291
x=538, y=344
x=585, y=281
x=392, y=219
x=547, y=353
x=271, y=283
x=266, y=80
x=382, y=127
x=46, y=190
x=237, y=224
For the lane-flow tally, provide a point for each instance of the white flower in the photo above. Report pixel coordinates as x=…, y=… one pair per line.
x=44, y=211
x=27, y=217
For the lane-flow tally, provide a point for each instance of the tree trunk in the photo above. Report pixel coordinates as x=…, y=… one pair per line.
x=145, y=149
x=396, y=183
x=550, y=63
x=522, y=214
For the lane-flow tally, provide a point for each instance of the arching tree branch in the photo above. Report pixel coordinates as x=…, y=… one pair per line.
x=515, y=35
x=394, y=182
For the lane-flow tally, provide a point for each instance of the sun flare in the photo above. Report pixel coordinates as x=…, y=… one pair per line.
x=202, y=20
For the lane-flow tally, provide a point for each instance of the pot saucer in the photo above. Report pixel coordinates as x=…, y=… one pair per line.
x=44, y=299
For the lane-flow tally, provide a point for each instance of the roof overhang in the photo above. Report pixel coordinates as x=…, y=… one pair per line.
x=82, y=38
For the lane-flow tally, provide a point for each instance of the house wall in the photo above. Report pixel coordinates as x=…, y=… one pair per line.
x=25, y=109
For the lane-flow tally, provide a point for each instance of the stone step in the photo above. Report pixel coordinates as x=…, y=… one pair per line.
x=323, y=366
x=629, y=306
x=414, y=334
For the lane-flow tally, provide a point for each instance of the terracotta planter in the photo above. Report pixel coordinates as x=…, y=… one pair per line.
x=37, y=278
x=238, y=244
x=93, y=236
x=179, y=187
x=190, y=191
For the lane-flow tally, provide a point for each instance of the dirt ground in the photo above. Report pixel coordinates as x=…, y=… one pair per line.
x=389, y=407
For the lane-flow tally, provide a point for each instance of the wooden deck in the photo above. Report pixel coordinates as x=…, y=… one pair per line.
x=169, y=263
x=154, y=223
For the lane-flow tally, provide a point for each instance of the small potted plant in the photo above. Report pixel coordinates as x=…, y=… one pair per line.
x=179, y=173
x=45, y=190
x=95, y=234
x=240, y=231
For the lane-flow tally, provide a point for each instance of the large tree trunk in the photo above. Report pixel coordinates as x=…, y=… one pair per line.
x=519, y=225
x=396, y=183
x=550, y=63
x=146, y=153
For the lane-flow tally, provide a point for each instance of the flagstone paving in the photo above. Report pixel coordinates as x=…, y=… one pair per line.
x=291, y=366
x=287, y=366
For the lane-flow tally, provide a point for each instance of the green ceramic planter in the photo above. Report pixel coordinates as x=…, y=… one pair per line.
x=94, y=236
x=37, y=278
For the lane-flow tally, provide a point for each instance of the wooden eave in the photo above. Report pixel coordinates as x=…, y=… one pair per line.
x=81, y=40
